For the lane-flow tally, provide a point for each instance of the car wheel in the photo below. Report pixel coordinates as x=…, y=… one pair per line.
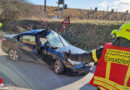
x=58, y=67
x=14, y=55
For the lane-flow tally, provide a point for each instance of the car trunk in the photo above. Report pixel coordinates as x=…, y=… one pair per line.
x=10, y=36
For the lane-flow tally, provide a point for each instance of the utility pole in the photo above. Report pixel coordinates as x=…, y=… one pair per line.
x=45, y=7
x=63, y=11
x=58, y=10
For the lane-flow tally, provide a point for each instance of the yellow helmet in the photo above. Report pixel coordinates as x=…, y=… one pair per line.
x=124, y=31
x=0, y=24
x=114, y=31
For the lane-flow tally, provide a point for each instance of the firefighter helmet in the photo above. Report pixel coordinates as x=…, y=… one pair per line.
x=0, y=24
x=114, y=31
x=124, y=31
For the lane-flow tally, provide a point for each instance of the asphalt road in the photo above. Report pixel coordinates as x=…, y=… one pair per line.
x=39, y=76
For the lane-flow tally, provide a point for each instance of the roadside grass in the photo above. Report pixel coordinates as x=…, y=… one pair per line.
x=92, y=21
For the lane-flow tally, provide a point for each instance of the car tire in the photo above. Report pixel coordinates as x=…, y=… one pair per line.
x=14, y=54
x=58, y=67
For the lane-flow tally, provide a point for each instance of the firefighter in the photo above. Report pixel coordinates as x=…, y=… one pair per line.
x=113, y=61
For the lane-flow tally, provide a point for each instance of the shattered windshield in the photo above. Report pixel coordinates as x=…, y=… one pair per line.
x=55, y=40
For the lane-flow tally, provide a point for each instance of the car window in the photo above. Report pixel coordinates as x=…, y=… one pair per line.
x=56, y=40
x=29, y=39
x=43, y=40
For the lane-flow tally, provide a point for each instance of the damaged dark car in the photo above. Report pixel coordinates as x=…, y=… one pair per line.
x=44, y=45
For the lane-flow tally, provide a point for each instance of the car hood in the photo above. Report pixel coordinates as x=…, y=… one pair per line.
x=73, y=49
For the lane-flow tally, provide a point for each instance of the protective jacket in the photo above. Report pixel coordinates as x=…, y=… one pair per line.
x=113, y=69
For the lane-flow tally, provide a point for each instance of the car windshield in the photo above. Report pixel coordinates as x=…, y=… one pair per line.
x=55, y=40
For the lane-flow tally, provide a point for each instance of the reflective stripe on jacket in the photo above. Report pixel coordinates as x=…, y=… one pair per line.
x=113, y=69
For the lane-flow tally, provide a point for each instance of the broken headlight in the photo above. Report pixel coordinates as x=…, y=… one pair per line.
x=74, y=62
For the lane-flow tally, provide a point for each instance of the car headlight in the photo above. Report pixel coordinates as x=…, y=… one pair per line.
x=74, y=62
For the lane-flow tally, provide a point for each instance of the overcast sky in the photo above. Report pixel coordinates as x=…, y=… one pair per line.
x=119, y=5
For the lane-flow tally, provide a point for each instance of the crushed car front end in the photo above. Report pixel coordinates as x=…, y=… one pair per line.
x=76, y=68
x=73, y=67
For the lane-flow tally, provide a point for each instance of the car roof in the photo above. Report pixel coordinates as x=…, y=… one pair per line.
x=33, y=32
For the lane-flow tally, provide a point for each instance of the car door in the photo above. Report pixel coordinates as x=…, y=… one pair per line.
x=27, y=47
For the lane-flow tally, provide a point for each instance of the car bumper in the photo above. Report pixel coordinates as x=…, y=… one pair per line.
x=78, y=70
